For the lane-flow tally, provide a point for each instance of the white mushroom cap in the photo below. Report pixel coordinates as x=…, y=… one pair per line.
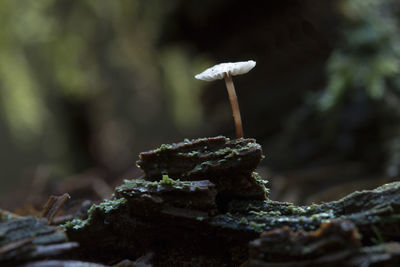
x=217, y=72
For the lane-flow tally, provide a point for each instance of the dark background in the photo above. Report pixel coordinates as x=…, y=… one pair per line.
x=86, y=85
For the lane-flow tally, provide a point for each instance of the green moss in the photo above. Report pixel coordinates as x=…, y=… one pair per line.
x=255, y=175
x=274, y=213
x=243, y=220
x=108, y=205
x=232, y=153
x=222, y=151
x=295, y=210
x=75, y=224
x=104, y=207
x=132, y=183
x=261, y=182
x=261, y=214
x=257, y=226
x=129, y=184
x=152, y=184
x=189, y=154
x=163, y=147
x=135, y=183
x=167, y=181
x=312, y=207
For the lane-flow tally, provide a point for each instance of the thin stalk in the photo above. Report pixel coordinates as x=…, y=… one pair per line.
x=234, y=105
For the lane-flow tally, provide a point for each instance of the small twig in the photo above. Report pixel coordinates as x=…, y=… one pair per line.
x=52, y=206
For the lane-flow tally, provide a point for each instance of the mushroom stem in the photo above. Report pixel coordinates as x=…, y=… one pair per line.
x=234, y=104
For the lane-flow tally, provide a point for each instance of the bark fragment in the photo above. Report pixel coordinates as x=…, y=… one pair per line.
x=30, y=238
x=229, y=164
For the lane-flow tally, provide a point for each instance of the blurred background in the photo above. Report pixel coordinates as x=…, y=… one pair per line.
x=86, y=85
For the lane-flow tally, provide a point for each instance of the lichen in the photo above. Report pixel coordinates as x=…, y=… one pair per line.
x=259, y=227
x=132, y=183
x=108, y=205
x=104, y=207
x=261, y=182
x=243, y=220
x=261, y=214
x=189, y=154
x=296, y=210
x=167, y=181
x=163, y=147
x=75, y=224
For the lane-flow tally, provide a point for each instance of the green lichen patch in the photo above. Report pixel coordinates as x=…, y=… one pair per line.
x=262, y=183
x=136, y=183
x=108, y=205
x=243, y=220
x=75, y=224
x=163, y=147
x=296, y=210
x=259, y=227
x=105, y=207
x=166, y=183
x=261, y=213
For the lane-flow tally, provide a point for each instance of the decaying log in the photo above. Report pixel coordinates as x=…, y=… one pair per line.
x=184, y=217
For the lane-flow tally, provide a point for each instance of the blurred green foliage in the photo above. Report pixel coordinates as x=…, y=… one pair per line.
x=355, y=116
x=95, y=71
x=368, y=60
x=369, y=57
x=22, y=100
x=60, y=47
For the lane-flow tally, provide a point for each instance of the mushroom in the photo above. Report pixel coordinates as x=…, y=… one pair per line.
x=226, y=71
